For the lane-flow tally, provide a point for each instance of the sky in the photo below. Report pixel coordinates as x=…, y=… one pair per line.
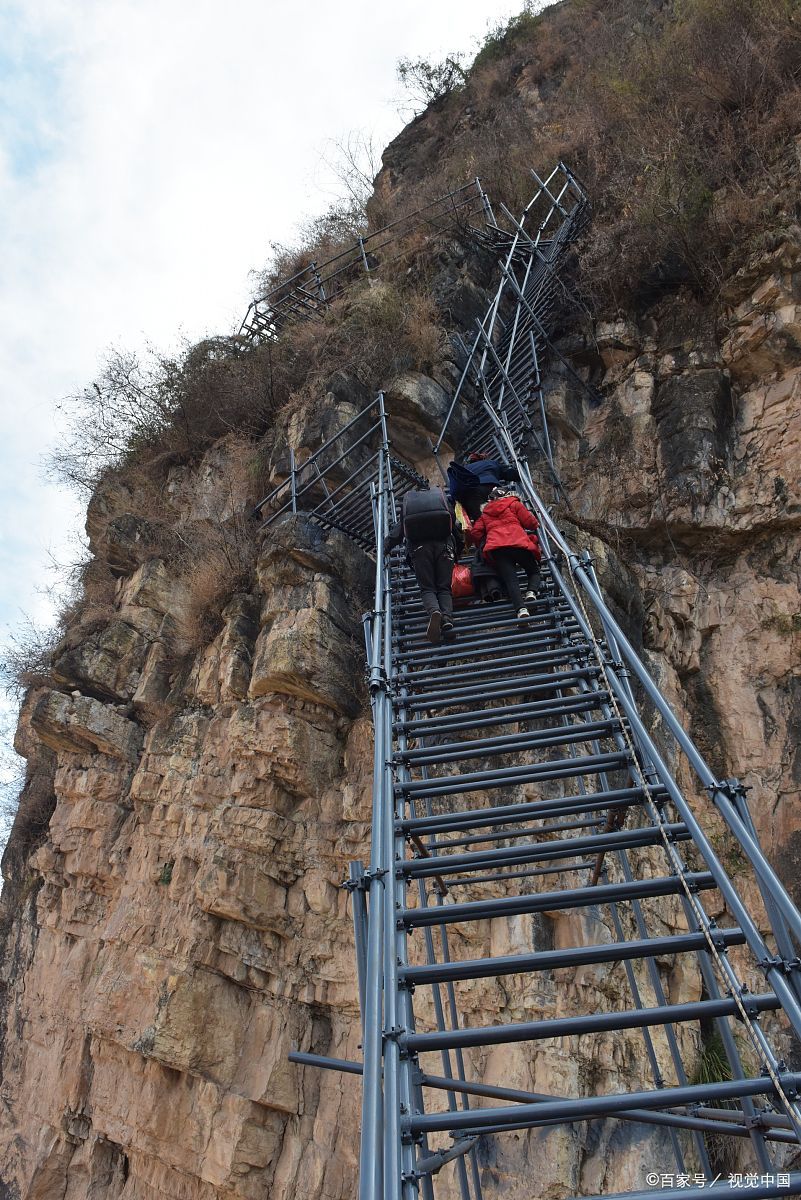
x=150, y=153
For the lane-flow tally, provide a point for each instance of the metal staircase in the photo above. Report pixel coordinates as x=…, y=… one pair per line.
x=518, y=785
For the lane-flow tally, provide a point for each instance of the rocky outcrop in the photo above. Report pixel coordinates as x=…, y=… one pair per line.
x=309, y=641
x=189, y=926
x=79, y=723
x=173, y=915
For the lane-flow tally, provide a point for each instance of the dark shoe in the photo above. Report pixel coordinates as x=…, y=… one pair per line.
x=523, y=614
x=495, y=596
x=448, y=631
x=434, y=627
x=530, y=595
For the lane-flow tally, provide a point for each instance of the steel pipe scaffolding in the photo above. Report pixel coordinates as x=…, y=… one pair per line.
x=518, y=783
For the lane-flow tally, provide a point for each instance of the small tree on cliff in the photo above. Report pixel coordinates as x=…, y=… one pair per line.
x=427, y=81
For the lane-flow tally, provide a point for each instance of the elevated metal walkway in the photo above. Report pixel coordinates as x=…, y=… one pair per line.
x=519, y=787
x=310, y=291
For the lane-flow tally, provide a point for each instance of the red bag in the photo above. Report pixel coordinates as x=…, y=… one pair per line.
x=462, y=582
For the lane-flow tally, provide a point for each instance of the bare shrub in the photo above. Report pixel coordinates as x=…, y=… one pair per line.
x=209, y=545
x=355, y=160
x=427, y=82
x=680, y=118
x=371, y=334
x=423, y=333
x=12, y=779
x=500, y=38
x=333, y=233
x=683, y=137
x=217, y=559
x=27, y=802
x=27, y=657
x=154, y=410
x=91, y=593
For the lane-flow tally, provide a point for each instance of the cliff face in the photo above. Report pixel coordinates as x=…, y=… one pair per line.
x=689, y=471
x=180, y=924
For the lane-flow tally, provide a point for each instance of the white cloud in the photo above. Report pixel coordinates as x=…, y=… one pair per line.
x=150, y=151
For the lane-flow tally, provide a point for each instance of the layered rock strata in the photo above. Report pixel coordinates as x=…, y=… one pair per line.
x=180, y=924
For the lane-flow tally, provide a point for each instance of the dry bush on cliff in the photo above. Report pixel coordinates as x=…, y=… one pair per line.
x=428, y=82
x=354, y=161
x=680, y=117
x=27, y=657
x=91, y=590
x=686, y=141
x=154, y=411
x=12, y=777
x=371, y=334
x=27, y=802
x=215, y=561
x=332, y=233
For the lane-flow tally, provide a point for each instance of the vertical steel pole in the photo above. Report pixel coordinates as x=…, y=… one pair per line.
x=371, y=1165
x=365, y=263
x=784, y=943
x=485, y=203
x=439, y=1011
x=546, y=436
x=319, y=280
x=293, y=480
x=392, y=1028
x=356, y=880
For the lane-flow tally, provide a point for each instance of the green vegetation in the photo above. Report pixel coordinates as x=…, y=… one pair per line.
x=713, y=1067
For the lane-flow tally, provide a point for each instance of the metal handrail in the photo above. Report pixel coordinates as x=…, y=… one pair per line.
x=266, y=315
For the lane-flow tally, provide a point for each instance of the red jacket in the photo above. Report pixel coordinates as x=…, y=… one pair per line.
x=504, y=523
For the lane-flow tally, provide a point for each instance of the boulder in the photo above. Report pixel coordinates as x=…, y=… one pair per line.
x=694, y=415
x=124, y=541
x=80, y=724
x=306, y=654
x=108, y=662
x=417, y=407
x=316, y=585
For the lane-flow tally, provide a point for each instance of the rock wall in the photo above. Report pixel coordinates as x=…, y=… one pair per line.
x=689, y=469
x=181, y=925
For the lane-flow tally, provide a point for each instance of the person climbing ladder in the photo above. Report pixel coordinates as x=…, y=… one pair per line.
x=427, y=526
x=506, y=533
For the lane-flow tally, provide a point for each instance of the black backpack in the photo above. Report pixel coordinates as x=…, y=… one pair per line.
x=426, y=516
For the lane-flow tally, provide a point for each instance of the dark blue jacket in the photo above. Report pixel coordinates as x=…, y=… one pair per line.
x=487, y=472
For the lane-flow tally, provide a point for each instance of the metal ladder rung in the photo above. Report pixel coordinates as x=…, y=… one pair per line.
x=471, y=781
x=513, y=906
x=530, y=852
x=606, y=1022
x=508, y=743
x=476, y=818
x=505, y=714
x=556, y=960
x=520, y=685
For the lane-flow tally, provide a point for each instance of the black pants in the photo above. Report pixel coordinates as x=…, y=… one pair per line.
x=506, y=560
x=433, y=567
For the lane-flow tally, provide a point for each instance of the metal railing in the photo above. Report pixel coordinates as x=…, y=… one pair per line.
x=334, y=486
x=511, y=345
x=311, y=289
